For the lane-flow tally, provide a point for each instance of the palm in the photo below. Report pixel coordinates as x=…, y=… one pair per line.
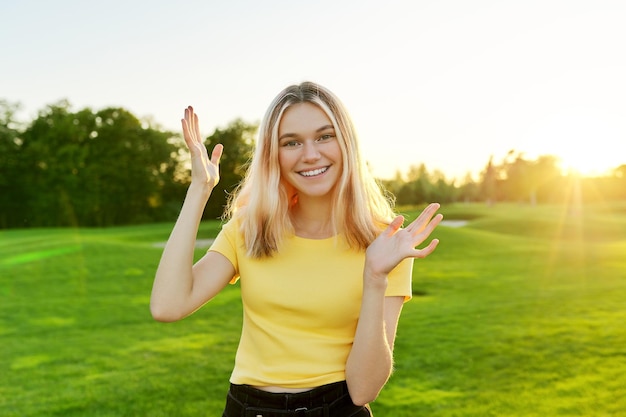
x=204, y=170
x=395, y=244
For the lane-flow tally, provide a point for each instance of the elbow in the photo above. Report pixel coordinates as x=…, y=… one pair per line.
x=363, y=393
x=362, y=400
x=164, y=315
x=364, y=389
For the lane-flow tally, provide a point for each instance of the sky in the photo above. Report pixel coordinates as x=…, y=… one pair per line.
x=447, y=83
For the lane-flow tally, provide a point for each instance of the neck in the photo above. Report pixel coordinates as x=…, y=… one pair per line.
x=312, y=219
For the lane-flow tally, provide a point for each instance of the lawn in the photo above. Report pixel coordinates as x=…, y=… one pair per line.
x=521, y=312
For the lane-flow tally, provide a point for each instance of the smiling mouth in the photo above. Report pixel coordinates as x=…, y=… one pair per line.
x=313, y=172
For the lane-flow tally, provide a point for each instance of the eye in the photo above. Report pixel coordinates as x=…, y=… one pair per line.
x=326, y=136
x=290, y=143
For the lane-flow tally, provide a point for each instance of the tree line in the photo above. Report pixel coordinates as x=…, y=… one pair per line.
x=513, y=179
x=102, y=168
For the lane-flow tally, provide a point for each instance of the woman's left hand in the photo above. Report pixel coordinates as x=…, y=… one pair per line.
x=394, y=244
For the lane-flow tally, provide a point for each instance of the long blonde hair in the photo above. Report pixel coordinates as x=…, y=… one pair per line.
x=261, y=202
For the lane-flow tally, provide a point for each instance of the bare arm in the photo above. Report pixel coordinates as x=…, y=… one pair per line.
x=180, y=287
x=370, y=361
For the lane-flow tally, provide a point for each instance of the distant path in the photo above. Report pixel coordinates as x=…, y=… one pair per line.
x=453, y=223
x=200, y=243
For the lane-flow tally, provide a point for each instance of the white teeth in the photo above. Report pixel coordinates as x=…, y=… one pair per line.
x=314, y=172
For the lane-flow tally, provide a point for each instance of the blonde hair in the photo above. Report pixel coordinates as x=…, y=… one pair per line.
x=261, y=202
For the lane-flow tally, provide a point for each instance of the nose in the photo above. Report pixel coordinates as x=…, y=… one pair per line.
x=310, y=152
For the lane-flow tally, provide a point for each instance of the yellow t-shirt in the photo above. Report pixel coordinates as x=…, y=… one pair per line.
x=300, y=308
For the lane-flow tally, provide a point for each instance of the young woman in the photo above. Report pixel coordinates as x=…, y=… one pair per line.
x=323, y=262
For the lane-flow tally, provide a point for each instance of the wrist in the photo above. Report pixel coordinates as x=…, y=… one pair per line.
x=197, y=195
x=199, y=189
x=374, y=280
x=369, y=271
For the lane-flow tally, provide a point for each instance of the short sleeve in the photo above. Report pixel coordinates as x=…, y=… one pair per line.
x=227, y=243
x=399, y=282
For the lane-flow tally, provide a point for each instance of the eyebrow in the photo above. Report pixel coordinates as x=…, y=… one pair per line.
x=291, y=135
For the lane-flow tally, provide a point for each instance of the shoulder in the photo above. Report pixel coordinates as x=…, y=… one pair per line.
x=231, y=227
x=229, y=236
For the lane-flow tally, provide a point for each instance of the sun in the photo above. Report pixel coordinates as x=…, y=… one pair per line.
x=584, y=143
x=587, y=162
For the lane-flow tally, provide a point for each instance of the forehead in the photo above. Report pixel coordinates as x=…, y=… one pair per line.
x=303, y=118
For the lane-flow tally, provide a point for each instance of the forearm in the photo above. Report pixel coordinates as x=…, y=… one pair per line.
x=173, y=281
x=370, y=361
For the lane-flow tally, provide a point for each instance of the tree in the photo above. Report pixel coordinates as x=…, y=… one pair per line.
x=619, y=179
x=52, y=151
x=518, y=185
x=547, y=179
x=11, y=172
x=127, y=168
x=238, y=141
x=620, y=171
x=417, y=188
x=469, y=190
x=489, y=181
x=87, y=169
x=442, y=190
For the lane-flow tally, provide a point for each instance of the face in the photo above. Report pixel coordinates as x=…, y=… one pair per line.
x=309, y=154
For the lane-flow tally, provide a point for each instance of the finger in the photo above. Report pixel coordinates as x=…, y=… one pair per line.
x=427, y=213
x=395, y=224
x=428, y=229
x=421, y=236
x=187, y=122
x=190, y=139
x=186, y=133
x=417, y=225
x=189, y=113
x=216, y=155
x=424, y=252
x=189, y=117
x=196, y=127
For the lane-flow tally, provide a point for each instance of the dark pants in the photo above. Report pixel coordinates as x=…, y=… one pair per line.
x=332, y=400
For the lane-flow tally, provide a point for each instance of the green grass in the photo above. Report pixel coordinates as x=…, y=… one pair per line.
x=520, y=313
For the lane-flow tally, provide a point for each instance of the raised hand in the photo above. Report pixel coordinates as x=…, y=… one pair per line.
x=203, y=170
x=395, y=244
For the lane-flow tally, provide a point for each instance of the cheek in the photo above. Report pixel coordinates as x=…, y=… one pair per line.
x=285, y=164
x=339, y=156
x=282, y=161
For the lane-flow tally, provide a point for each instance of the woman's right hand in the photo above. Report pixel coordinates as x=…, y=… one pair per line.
x=204, y=171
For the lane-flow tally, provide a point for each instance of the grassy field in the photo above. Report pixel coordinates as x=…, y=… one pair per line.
x=521, y=312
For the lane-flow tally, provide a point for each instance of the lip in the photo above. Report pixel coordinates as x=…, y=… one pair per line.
x=314, y=172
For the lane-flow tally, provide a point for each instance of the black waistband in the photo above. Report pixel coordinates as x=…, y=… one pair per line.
x=324, y=394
